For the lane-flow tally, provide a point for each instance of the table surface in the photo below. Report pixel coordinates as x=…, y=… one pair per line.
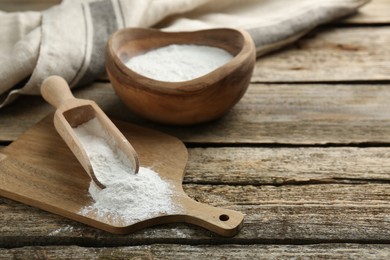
x=305, y=155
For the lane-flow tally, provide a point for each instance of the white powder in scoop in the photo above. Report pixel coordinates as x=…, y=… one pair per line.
x=108, y=162
x=179, y=62
x=127, y=197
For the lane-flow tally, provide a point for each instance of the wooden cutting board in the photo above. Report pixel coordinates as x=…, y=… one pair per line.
x=39, y=169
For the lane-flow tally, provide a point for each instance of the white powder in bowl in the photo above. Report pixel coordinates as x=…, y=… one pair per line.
x=179, y=62
x=127, y=197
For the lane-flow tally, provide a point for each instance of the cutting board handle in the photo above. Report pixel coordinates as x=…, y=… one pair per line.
x=224, y=222
x=55, y=90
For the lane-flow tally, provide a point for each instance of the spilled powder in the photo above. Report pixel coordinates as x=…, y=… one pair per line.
x=58, y=231
x=179, y=62
x=128, y=197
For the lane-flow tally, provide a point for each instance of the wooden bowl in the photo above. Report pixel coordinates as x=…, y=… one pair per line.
x=187, y=102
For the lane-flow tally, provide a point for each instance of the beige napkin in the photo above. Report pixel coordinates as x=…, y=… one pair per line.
x=69, y=39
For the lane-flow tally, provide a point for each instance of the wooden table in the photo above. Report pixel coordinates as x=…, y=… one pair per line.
x=305, y=155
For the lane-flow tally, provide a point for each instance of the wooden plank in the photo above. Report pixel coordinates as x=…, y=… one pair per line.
x=329, y=55
x=174, y=251
x=26, y=5
x=364, y=196
x=267, y=114
x=301, y=114
x=375, y=12
x=310, y=213
x=285, y=214
x=21, y=115
x=270, y=166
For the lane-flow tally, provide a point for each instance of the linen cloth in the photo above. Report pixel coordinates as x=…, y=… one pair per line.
x=69, y=39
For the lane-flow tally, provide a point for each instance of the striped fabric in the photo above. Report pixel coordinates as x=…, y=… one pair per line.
x=69, y=39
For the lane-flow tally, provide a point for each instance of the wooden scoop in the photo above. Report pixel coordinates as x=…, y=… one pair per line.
x=72, y=112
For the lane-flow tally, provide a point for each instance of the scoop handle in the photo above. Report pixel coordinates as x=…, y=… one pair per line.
x=56, y=90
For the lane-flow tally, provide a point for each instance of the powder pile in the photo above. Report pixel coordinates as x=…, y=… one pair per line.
x=127, y=197
x=179, y=62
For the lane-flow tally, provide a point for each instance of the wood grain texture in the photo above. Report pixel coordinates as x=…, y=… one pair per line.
x=284, y=214
x=26, y=5
x=282, y=166
x=23, y=114
x=300, y=201
x=300, y=114
x=330, y=55
x=267, y=114
x=281, y=213
x=172, y=251
x=375, y=12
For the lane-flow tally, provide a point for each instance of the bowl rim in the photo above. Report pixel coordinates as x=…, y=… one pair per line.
x=194, y=85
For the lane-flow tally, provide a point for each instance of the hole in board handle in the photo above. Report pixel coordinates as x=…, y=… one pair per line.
x=224, y=217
